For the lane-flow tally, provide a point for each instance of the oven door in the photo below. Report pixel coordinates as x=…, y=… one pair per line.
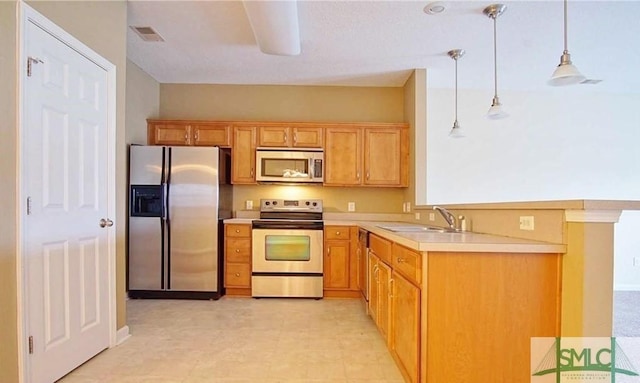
x=287, y=251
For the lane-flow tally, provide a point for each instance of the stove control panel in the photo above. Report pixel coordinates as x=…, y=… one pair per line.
x=284, y=205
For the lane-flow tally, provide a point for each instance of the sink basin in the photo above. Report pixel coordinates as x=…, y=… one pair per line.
x=415, y=229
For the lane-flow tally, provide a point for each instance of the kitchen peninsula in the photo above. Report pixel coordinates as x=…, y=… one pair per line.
x=449, y=304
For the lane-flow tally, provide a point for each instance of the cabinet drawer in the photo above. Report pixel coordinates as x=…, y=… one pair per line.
x=408, y=263
x=236, y=230
x=238, y=275
x=381, y=247
x=336, y=232
x=238, y=250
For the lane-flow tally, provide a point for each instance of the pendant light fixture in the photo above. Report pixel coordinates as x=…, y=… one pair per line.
x=566, y=73
x=456, y=131
x=495, y=111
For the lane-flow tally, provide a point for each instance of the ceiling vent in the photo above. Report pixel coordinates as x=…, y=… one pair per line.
x=147, y=34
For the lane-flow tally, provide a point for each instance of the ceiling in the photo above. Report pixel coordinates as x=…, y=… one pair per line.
x=378, y=43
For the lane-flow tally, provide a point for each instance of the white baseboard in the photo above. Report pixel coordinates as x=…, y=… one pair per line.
x=122, y=335
x=626, y=287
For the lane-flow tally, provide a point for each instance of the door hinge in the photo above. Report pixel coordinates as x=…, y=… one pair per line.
x=30, y=62
x=30, y=344
x=28, y=205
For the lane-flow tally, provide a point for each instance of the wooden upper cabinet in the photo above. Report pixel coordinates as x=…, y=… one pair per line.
x=212, y=134
x=198, y=133
x=343, y=156
x=307, y=137
x=168, y=133
x=367, y=156
x=287, y=136
x=386, y=157
x=243, y=155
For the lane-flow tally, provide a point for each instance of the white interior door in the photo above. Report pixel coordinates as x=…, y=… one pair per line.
x=65, y=181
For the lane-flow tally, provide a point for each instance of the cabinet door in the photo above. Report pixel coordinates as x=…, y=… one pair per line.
x=362, y=268
x=336, y=265
x=276, y=136
x=383, y=157
x=307, y=137
x=244, y=155
x=384, y=300
x=405, y=340
x=343, y=156
x=212, y=134
x=175, y=134
x=373, y=287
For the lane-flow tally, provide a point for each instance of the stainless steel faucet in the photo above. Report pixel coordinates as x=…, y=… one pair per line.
x=446, y=214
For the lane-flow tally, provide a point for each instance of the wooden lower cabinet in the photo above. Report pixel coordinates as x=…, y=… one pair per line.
x=380, y=295
x=237, y=259
x=340, y=261
x=405, y=326
x=462, y=316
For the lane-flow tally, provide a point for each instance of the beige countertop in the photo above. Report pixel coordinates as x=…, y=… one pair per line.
x=435, y=241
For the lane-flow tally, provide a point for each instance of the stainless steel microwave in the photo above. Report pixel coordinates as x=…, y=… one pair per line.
x=289, y=165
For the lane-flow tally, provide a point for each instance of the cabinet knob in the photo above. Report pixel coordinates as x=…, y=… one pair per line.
x=237, y=230
x=337, y=233
x=237, y=250
x=237, y=274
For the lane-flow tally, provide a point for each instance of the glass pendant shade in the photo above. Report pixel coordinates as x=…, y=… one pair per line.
x=496, y=111
x=456, y=131
x=566, y=73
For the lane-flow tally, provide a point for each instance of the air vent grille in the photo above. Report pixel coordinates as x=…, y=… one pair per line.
x=147, y=33
x=590, y=81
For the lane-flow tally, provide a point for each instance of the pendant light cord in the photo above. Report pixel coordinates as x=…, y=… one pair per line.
x=456, y=91
x=566, y=48
x=495, y=58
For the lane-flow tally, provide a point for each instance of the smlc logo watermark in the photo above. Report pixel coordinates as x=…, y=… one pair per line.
x=572, y=359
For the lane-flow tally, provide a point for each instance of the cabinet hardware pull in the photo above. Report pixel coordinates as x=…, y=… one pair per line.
x=295, y=138
x=285, y=137
x=368, y=175
x=390, y=288
x=329, y=251
x=237, y=274
x=197, y=131
x=401, y=260
x=252, y=172
x=358, y=175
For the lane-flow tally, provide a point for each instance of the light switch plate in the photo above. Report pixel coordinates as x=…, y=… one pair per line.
x=432, y=217
x=351, y=206
x=527, y=223
x=248, y=204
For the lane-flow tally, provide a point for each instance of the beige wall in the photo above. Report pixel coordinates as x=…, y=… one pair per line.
x=293, y=103
x=8, y=200
x=281, y=103
x=143, y=101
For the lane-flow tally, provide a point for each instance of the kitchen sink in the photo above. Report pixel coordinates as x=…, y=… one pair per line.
x=416, y=229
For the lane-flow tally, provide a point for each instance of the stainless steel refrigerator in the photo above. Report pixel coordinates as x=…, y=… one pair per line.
x=178, y=197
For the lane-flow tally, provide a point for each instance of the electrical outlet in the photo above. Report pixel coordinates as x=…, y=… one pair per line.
x=417, y=215
x=432, y=217
x=404, y=207
x=527, y=223
x=248, y=204
x=351, y=206
x=408, y=204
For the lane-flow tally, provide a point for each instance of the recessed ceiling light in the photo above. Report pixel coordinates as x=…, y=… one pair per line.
x=434, y=8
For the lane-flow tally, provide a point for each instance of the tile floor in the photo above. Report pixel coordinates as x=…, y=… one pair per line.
x=244, y=340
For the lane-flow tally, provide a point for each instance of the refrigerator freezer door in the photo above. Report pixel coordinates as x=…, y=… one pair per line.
x=145, y=233
x=193, y=215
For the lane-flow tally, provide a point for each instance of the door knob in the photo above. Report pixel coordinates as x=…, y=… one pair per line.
x=106, y=222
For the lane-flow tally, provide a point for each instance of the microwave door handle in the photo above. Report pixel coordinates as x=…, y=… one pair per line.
x=312, y=171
